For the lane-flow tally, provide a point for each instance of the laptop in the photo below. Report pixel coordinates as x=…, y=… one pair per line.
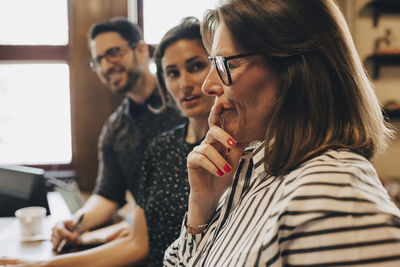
x=20, y=187
x=69, y=191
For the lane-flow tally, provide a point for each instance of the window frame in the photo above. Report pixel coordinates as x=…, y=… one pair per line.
x=40, y=52
x=34, y=52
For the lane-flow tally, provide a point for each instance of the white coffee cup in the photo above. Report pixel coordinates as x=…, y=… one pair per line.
x=31, y=220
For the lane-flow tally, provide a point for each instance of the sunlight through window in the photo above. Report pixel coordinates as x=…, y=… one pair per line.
x=38, y=22
x=160, y=15
x=34, y=114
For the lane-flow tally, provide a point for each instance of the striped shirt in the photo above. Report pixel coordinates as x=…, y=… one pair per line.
x=330, y=211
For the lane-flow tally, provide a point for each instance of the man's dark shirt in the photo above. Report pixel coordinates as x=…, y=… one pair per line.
x=122, y=142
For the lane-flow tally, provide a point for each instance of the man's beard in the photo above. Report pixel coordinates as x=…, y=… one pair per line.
x=133, y=76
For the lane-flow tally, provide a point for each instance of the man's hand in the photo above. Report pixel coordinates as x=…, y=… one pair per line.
x=62, y=231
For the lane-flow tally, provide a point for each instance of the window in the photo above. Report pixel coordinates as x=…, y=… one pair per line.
x=160, y=15
x=39, y=22
x=35, y=123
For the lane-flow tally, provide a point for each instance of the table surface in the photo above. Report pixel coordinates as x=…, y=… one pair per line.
x=11, y=244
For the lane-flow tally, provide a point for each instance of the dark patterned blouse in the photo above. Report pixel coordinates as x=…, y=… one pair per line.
x=165, y=189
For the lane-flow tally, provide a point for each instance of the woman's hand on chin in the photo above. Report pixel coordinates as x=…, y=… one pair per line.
x=211, y=167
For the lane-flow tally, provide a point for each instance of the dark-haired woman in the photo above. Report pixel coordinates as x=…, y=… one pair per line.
x=182, y=66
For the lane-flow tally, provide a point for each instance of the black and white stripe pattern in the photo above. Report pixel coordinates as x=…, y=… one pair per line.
x=331, y=211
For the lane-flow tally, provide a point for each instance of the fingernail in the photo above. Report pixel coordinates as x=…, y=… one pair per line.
x=220, y=173
x=231, y=142
x=227, y=168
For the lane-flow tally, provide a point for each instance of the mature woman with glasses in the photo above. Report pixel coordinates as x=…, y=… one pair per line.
x=283, y=177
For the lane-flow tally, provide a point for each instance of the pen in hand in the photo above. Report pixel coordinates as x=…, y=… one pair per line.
x=64, y=241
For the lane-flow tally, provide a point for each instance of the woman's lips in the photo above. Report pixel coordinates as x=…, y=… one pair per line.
x=190, y=97
x=191, y=100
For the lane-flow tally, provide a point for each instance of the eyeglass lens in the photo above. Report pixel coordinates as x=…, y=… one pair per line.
x=222, y=71
x=111, y=56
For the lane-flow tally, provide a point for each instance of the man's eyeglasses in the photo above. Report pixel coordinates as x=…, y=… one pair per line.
x=111, y=55
x=221, y=64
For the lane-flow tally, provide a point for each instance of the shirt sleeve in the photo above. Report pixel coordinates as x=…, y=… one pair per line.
x=339, y=225
x=110, y=179
x=369, y=239
x=180, y=252
x=183, y=250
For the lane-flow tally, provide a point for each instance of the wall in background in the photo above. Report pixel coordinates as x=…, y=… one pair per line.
x=91, y=102
x=387, y=86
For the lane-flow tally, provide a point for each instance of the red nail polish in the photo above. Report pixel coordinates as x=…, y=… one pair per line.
x=227, y=168
x=220, y=173
x=231, y=142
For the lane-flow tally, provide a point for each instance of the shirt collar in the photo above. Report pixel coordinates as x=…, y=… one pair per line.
x=258, y=152
x=153, y=100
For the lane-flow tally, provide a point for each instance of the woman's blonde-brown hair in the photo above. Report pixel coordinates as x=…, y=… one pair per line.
x=326, y=98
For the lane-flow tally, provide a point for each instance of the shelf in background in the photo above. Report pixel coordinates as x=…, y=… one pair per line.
x=383, y=59
x=392, y=115
x=380, y=7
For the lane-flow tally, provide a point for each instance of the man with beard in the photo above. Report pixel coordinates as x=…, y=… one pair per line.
x=120, y=60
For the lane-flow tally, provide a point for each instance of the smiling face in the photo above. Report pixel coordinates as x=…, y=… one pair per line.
x=184, y=67
x=122, y=74
x=247, y=103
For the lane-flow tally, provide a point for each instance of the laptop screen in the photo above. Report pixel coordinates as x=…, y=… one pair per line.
x=69, y=191
x=20, y=187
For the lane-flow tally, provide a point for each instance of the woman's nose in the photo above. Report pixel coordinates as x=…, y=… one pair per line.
x=212, y=84
x=185, y=80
